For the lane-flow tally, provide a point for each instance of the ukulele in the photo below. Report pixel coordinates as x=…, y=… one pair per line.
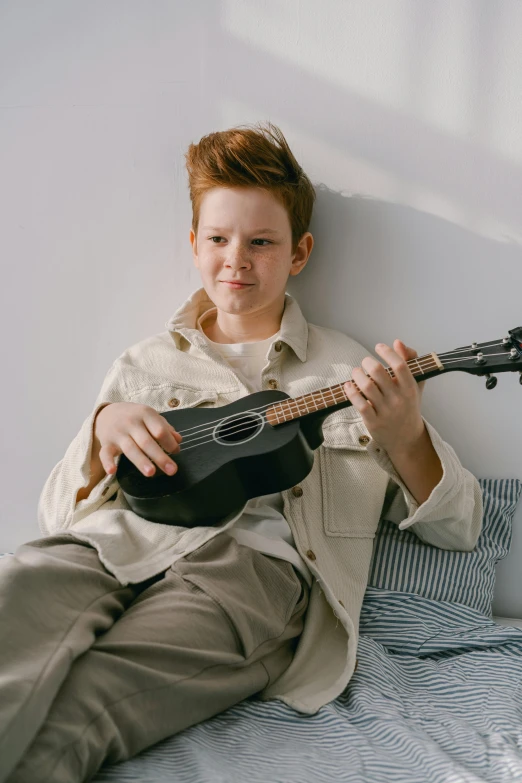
x=264, y=442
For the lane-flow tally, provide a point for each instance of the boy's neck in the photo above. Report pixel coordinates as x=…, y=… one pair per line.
x=237, y=330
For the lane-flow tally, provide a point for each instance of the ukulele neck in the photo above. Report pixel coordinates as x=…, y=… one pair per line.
x=333, y=398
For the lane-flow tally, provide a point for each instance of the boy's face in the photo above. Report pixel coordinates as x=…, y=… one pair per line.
x=244, y=235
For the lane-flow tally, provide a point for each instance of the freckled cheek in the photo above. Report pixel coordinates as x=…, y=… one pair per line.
x=271, y=267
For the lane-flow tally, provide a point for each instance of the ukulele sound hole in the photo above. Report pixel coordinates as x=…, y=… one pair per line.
x=238, y=429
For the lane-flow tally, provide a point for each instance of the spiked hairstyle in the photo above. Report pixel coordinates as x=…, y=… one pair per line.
x=251, y=156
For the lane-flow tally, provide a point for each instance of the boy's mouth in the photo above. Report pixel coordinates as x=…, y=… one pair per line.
x=234, y=284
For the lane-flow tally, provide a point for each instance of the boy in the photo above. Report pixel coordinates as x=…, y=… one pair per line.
x=122, y=632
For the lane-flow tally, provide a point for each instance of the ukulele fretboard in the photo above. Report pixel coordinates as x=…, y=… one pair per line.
x=330, y=396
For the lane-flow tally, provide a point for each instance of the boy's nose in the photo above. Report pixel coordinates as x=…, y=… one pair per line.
x=237, y=260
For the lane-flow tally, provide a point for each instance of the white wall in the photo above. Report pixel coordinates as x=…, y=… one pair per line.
x=407, y=116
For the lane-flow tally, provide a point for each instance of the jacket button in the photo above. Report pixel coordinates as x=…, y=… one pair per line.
x=278, y=346
x=310, y=555
x=173, y=402
x=272, y=383
x=364, y=439
x=355, y=667
x=341, y=603
x=297, y=491
x=104, y=491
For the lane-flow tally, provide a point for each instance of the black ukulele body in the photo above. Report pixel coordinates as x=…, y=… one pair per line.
x=228, y=455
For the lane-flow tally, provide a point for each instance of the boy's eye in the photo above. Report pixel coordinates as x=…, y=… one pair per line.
x=254, y=240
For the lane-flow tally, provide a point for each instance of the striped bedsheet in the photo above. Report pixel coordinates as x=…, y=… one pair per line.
x=437, y=697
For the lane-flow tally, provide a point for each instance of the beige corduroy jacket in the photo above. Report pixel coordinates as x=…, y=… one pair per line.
x=334, y=518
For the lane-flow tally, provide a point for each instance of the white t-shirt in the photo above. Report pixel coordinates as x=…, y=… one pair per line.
x=262, y=525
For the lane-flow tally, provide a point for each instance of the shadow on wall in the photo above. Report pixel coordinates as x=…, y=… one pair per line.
x=379, y=271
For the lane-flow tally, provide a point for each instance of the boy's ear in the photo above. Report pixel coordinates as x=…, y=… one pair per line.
x=192, y=238
x=302, y=253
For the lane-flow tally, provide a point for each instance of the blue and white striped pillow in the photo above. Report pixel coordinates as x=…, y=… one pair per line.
x=401, y=561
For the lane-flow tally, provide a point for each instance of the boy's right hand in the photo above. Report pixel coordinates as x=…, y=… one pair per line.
x=139, y=432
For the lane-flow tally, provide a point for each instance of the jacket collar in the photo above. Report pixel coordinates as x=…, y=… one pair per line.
x=293, y=332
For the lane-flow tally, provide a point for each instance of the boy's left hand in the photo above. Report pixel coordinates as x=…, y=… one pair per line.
x=390, y=407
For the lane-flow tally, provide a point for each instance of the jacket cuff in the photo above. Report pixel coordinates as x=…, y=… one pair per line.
x=57, y=506
x=448, y=486
x=100, y=491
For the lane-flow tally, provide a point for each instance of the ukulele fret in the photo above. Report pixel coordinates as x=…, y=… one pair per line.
x=296, y=407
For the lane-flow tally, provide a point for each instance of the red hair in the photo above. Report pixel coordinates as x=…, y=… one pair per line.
x=254, y=156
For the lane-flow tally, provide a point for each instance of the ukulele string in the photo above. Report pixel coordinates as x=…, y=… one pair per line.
x=463, y=358
x=294, y=408
x=289, y=403
x=491, y=344
x=423, y=362
x=236, y=431
x=266, y=406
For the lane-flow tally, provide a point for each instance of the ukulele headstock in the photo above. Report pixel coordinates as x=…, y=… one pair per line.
x=494, y=356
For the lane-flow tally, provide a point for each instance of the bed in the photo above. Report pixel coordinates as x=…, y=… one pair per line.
x=436, y=697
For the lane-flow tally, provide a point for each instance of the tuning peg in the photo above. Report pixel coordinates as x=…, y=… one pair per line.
x=491, y=381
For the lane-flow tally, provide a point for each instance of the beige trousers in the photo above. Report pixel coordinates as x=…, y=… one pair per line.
x=92, y=673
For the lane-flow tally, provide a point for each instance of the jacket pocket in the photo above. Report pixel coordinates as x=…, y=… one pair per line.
x=170, y=396
x=353, y=485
